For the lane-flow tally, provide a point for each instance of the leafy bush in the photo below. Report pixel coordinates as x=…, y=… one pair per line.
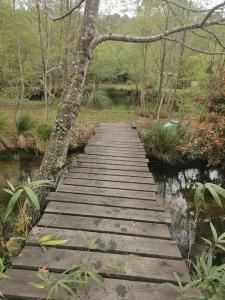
x=44, y=131
x=208, y=142
x=23, y=124
x=162, y=142
x=101, y=99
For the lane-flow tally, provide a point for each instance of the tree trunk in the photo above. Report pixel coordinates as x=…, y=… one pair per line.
x=56, y=153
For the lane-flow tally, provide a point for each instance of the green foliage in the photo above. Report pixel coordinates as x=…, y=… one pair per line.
x=51, y=240
x=215, y=190
x=25, y=192
x=162, y=143
x=92, y=244
x=23, y=124
x=218, y=241
x=44, y=131
x=209, y=277
x=101, y=99
x=78, y=275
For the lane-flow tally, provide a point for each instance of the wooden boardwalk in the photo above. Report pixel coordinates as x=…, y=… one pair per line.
x=108, y=193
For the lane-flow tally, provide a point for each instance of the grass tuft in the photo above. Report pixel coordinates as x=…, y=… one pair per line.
x=23, y=124
x=44, y=131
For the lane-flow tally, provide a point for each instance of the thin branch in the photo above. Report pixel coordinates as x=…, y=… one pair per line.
x=211, y=11
x=215, y=36
x=69, y=12
x=157, y=37
x=186, y=8
x=192, y=48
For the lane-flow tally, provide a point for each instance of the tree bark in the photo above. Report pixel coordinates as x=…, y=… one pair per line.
x=56, y=153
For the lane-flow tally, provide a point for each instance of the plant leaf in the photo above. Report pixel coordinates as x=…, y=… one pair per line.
x=12, y=202
x=32, y=198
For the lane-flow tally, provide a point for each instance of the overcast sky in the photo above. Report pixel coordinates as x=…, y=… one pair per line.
x=128, y=6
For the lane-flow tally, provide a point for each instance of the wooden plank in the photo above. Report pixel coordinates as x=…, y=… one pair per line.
x=142, y=268
x=98, y=151
x=125, y=149
x=109, y=166
x=112, y=243
x=18, y=287
x=119, y=146
x=77, y=209
x=111, y=178
x=130, y=141
x=110, y=172
x=122, y=227
x=105, y=201
x=118, y=158
x=110, y=184
x=106, y=192
x=88, y=159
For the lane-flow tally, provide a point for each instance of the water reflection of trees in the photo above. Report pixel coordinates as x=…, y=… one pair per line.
x=174, y=188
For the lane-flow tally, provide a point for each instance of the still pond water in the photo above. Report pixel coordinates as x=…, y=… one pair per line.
x=172, y=187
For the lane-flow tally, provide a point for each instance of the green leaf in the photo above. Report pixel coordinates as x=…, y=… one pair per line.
x=219, y=189
x=32, y=198
x=11, y=185
x=207, y=241
x=214, y=194
x=51, y=240
x=37, y=285
x=214, y=232
x=12, y=202
x=97, y=278
x=8, y=191
x=178, y=279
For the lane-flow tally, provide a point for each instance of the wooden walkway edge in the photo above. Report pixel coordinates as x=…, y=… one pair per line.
x=108, y=194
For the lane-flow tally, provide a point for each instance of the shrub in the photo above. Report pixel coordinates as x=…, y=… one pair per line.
x=162, y=142
x=23, y=124
x=44, y=131
x=101, y=99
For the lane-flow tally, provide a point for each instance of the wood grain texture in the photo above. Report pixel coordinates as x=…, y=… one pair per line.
x=113, y=243
x=110, y=184
x=146, y=269
x=102, y=225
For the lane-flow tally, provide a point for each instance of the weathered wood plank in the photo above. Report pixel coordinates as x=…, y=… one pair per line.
x=118, y=178
x=100, y=160
x=119, y=146
x=129, y=141
x=142, y=268
x=112, y=243
x=122, y=227
x=77, y=209
x=100, y=151
x=107, y=192
x=105, y=201
x=110, y=166
x=125, y=149
x=114, y=289
x=110, y=184
x=110, y=158
x=110, y=172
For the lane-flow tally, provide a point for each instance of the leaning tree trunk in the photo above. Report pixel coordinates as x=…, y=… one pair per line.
x=56, y=153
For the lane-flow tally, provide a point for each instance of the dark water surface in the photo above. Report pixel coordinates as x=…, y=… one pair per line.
x=174, y=189
x=16, y=167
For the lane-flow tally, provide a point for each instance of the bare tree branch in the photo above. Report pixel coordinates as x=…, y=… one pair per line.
x=192, y=48
x=69, y=12
x=211, y=11
x=157, y=37
x=215, y=37
x=186, y=8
